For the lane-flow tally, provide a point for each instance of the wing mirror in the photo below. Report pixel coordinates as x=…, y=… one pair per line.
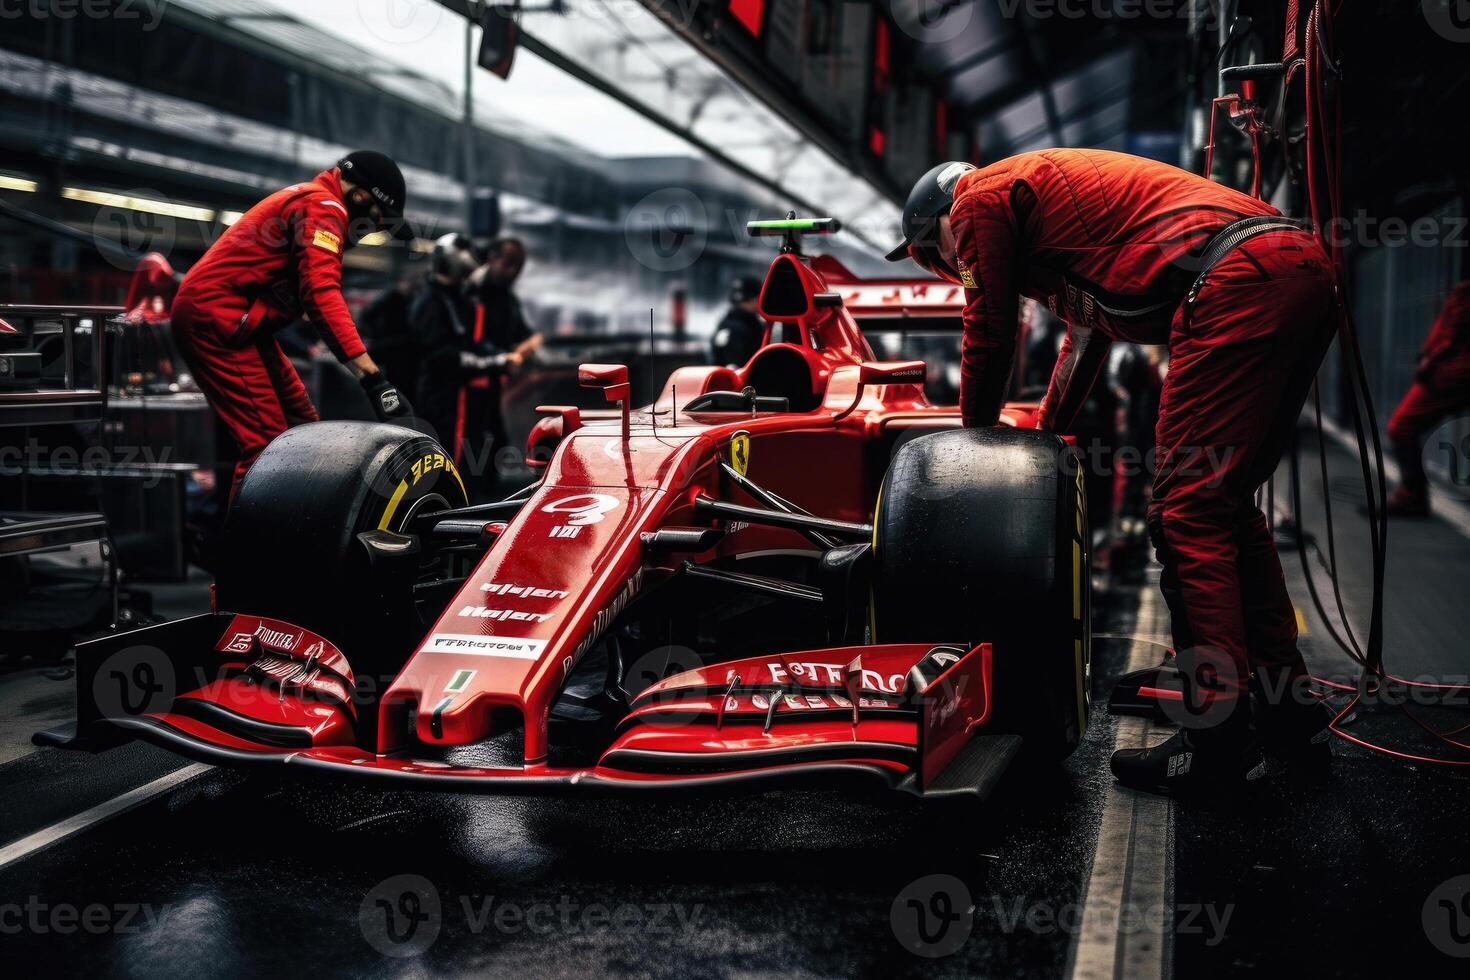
x=613, y=380
x=883, y=373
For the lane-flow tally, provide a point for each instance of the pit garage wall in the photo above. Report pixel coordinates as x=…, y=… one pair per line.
x=199, y=115
x=1398, y=285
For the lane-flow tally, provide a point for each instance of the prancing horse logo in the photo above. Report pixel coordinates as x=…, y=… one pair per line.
x=740, y=452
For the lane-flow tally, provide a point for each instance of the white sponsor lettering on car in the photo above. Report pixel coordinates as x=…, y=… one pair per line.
x=474, y=645
x=504, y=615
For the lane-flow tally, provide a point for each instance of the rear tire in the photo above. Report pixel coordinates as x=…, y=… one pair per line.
x=981, y=535
x=290, y=547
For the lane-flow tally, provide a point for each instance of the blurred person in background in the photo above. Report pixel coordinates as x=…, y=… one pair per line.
x=282, y=260
x=738, y=336
x=500, y=321
x=457, y=364
x=1441, y=387
x=389, y=334
x=151, y=290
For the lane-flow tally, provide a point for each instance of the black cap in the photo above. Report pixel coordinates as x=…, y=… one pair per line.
x=377, y=174
x=930, y=199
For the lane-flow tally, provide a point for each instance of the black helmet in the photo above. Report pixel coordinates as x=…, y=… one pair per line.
x=453, y=256
x=930, y=200
x=375, y=173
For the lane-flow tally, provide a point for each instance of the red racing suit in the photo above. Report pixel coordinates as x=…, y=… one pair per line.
x=281, y=260
x=1113, y=245
x=151, y=291
x=1441, y=386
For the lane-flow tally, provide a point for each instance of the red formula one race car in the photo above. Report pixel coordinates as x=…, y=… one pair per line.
x=798, y=569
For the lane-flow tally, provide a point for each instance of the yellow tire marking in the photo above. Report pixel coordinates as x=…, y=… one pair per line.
x=393, y=505
x=1301, y=622
x=1076, y=579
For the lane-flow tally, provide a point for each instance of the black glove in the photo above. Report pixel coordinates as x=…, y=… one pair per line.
x=387, y=401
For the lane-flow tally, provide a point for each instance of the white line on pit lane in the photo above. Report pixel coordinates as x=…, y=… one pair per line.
x=61, y=830
x=1128, y=911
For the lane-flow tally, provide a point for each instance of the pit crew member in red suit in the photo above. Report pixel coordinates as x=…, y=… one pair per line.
x=282, y=260
x=151, y=290
x=1441, y=387
x=1124, y=248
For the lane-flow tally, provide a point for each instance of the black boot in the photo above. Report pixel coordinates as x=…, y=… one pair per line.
x=1292, y=727
x=1189, y=762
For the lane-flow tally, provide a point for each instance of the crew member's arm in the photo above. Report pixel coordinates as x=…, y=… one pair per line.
x=528, y=340
x=293, y=395
x=319, y=225
x=1084, y=352
x=985, y=234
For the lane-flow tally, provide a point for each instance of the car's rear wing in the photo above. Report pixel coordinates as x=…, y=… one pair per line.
x=894, y=304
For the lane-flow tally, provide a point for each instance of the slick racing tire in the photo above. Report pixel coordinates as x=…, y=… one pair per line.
x=290, y=548
x=981, y=536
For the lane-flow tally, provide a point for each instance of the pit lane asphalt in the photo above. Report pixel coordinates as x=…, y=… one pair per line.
x=236, y=874
x=260, y=873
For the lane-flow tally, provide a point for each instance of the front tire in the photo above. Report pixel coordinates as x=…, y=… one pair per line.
x=290, y=547
x=981, y=535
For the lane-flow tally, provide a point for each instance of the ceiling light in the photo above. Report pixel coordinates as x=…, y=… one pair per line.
x=130, y=203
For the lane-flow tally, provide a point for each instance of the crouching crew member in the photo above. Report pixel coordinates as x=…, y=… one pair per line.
x=280, y=261
x=454, y=396
x=1125, y=248
x=1441, y=387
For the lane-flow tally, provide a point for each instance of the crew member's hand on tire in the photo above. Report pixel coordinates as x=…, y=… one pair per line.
x=387, y=401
